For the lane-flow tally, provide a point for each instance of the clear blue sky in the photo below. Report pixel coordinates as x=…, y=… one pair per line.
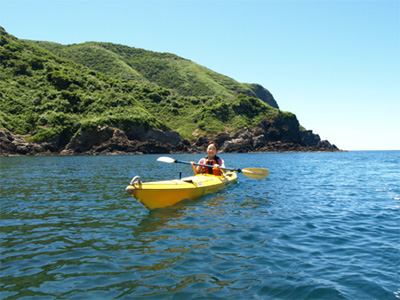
x=335, y=64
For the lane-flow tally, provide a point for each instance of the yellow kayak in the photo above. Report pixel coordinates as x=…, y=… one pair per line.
x=161, y=194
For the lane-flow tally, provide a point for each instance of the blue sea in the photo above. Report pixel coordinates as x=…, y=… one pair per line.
x=321, y=226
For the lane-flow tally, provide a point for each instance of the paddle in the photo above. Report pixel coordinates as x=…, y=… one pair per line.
x=254, y=173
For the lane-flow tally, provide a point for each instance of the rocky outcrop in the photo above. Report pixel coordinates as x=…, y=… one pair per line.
x=269, y=136
x=137, y=140
x=105, y=140
x=262, y=93
x=13, y=144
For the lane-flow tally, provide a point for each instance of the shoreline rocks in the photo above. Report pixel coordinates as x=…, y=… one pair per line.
x=110, y=140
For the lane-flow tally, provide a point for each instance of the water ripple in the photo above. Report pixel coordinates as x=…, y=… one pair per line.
x=322, y=226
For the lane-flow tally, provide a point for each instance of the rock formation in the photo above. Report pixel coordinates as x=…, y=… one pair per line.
x=266, y=137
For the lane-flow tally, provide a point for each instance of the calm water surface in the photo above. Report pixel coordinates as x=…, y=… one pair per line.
x=322, y=226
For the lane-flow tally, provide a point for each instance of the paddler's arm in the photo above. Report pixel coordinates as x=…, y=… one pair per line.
x=222, y=165
x=194, y=167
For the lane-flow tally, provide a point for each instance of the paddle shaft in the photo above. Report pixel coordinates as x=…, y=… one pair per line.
x=254, y=173
x=209, y=166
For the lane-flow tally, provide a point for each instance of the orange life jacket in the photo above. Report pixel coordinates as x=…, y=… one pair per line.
x=209, y=170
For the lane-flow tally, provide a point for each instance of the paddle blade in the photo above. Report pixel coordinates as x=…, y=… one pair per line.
x=166, y=159
x=255, y=173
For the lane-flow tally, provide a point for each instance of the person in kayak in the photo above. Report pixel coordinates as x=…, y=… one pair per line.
x=211, y=159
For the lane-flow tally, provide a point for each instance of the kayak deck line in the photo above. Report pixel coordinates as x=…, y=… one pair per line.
x=159, y=194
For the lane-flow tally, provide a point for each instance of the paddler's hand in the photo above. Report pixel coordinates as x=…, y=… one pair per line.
x=194, y=167
x=216, y=169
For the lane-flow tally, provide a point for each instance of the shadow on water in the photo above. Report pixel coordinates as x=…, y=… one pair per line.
x=160, y=218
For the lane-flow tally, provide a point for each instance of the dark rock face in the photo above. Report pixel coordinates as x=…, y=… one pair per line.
x=268, y=136
x=105, y=140
x=249, y=140
x=11, y=144
x=113, y=140
x=280, y=136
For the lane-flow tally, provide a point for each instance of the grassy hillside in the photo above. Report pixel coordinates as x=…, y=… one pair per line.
x=44, y=94
x=96, y=58
x=49, y=96
x=167, y=70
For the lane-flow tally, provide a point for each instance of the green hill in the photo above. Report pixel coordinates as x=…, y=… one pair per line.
x=166, y=70
x=52, y=92
x=48, y=96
